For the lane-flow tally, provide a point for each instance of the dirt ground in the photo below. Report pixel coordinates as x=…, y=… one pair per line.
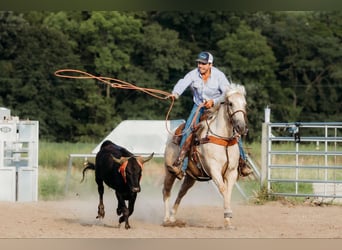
x=201, y=213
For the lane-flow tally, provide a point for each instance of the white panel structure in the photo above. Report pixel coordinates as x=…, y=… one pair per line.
x=27, y=189
x=18, y=158
x=7, y=184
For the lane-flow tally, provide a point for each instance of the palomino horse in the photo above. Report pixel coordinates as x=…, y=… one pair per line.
x=215, y=153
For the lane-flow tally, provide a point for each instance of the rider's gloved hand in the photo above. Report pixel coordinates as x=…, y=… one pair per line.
x=172, y=96
x=208, y=104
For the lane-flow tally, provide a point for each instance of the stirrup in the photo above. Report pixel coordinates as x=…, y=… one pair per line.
x=244, y=169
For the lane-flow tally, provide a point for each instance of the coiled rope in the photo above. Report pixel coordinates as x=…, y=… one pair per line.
x=119, y=84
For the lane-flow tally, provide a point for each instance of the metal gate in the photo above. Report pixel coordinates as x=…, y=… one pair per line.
x=302, y=159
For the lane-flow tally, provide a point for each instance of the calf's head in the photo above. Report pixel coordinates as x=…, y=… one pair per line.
x=131, y=170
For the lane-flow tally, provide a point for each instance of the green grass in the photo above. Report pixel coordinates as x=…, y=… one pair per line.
x=53, y=165
x=50, y=184
x=56, y=155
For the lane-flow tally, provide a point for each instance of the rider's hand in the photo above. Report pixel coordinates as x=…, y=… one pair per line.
x=172, y=96
x=208, y=104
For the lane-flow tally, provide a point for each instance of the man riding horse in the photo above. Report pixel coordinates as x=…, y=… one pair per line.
x=208, y=85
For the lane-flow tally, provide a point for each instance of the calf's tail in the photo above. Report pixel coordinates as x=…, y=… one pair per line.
x=88, y=165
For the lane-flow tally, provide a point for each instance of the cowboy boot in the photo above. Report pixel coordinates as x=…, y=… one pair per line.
x=244, y=169
x=176, y=166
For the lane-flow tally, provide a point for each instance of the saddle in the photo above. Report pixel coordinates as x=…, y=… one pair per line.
x=195, y=168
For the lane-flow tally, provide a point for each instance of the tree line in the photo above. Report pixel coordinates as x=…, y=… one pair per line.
x=289, y=61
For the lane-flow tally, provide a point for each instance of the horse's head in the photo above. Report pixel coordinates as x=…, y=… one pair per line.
x=236, y=106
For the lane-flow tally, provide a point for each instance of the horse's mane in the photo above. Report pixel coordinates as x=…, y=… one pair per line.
x=235, y=88
x=232, y=89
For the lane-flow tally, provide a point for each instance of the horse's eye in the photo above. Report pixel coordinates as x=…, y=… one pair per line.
x=230, y=104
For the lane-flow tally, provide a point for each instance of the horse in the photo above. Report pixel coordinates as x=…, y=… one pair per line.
x=213, y=156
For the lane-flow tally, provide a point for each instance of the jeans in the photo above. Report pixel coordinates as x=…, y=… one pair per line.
x=242, y=153
x=188, y=130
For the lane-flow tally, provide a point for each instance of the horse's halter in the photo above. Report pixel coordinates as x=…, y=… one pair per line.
x=230, y=117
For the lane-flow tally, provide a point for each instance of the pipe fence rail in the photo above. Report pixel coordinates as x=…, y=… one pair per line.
x=302, y=159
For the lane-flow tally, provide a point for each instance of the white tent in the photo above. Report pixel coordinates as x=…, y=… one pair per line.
x=142, y=137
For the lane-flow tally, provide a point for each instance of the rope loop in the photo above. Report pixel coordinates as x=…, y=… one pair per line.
x=119, y=84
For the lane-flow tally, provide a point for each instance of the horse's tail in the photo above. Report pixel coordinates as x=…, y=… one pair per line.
x=88, y=165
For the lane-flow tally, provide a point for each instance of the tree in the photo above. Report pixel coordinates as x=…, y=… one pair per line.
x=32, y=91
x=248, y=60
x=310, y=56
x=290, y=61
x=156, y=63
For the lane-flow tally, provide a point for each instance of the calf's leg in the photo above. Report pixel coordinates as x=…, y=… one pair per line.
x=122, y=209
x=100, y=208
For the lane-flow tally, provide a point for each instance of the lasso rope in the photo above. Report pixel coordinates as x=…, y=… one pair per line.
x=116, y=83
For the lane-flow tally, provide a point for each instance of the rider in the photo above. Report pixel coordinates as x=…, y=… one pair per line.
x=208, y=85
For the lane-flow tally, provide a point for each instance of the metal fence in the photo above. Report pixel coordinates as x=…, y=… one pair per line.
x=302, y=159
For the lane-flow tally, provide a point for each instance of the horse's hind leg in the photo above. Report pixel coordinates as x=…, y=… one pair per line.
x=186, y=185
x=168, y=183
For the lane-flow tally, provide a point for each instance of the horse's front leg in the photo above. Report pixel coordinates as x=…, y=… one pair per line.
x=230, y=181
x=225, y=186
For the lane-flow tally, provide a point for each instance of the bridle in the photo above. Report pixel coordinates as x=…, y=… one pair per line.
x=231, y=114
x=230, y=117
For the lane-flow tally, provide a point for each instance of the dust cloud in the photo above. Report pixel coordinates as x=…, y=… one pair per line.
x=150, y=207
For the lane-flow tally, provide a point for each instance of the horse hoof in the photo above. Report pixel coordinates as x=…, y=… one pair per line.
x=230, y=227
x=174, y=224
x=172, y=219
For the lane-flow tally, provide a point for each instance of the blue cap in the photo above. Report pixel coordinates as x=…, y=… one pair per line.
x=205, y=57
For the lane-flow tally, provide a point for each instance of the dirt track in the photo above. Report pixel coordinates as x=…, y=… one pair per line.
x=75, y=218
